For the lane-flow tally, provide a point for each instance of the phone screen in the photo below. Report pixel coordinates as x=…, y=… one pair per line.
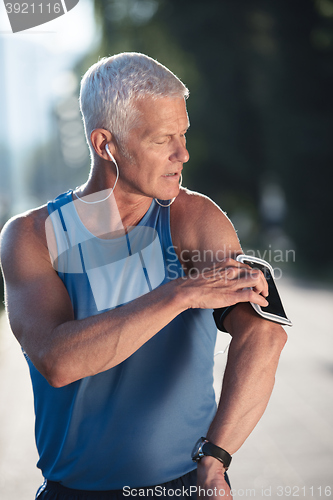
x=275, y=305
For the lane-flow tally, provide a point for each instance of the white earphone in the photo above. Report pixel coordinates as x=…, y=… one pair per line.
x=111, y=157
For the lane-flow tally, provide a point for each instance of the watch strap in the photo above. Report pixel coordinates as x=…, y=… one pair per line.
x=210, y=449
x=203, y=447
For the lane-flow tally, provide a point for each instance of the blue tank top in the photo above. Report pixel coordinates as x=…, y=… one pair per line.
x=134, y=424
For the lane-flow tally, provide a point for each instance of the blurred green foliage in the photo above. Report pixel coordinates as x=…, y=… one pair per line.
x=260, y=74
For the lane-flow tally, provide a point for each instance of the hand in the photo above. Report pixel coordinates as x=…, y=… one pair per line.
x=211, y=477
x=224, y=285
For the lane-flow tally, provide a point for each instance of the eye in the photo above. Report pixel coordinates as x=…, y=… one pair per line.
x=161, y=140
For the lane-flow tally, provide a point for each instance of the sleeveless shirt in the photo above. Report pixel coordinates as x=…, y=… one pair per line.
x=134, y=424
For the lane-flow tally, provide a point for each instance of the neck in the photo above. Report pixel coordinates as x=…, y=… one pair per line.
x=116, y=213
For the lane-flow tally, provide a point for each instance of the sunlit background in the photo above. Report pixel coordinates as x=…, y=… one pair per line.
x=260, y=74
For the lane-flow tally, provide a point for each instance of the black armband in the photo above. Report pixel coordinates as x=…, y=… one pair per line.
x=220, y=315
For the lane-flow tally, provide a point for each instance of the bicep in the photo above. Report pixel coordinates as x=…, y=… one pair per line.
x=203, y=234
x=36, y=298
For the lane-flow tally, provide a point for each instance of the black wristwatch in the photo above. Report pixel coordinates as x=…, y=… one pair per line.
x=203, y=447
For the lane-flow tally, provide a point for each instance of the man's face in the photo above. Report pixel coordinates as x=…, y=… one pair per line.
x=156, y=148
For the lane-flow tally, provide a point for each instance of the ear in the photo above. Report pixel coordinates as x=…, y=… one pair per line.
x=99, y=139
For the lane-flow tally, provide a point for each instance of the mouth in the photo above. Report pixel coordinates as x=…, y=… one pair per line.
x=172, y=174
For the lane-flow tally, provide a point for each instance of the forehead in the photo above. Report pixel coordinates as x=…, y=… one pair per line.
x=162, y=115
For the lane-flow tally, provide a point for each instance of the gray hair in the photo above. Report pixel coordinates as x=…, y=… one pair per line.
x=109, y=89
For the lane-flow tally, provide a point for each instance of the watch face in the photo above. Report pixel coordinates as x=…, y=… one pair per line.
x=196, y=450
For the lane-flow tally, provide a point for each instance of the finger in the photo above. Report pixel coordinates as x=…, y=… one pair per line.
x=229, y=262
x=231, y=270
x=249, y=295
x=235, y=269
x=262, y=285
x=259, y=282
x=234, y=263
x=241, y=278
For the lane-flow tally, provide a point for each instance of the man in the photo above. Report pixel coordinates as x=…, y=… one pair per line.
x=110, y=294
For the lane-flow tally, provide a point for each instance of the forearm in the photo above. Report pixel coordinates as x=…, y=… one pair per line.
x=248, y=379
x=247, y=385
x=80, y=348
x=75, y=349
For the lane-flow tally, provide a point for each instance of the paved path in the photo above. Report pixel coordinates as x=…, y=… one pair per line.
x=289, y=454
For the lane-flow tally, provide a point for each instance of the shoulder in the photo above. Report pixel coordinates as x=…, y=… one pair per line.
x=22, y=233
x=192, y=205
x=30, y=223
x=197, y=222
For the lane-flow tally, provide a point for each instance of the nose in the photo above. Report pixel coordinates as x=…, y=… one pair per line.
x=185, y=155
x=180, y=152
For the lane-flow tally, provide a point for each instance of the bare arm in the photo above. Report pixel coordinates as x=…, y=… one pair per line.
x=247, y=386
x=253, y=353
x=64, y=349
x=249, y=376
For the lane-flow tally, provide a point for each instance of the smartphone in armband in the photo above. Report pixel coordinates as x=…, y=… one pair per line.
x=274, y=311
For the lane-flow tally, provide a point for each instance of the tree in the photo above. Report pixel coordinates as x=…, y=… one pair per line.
x=260, y=76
